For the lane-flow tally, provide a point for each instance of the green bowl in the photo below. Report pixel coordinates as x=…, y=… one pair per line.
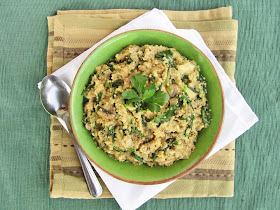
x=143, y=174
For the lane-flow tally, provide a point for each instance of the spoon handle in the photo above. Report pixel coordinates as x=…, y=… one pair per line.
x=93, y=184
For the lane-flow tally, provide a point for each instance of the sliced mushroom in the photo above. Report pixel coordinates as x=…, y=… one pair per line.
x=174, y=90
x=106, y=112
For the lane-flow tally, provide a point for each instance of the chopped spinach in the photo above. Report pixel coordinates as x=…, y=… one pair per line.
x=154, y=156
x=85, y=100
x=111, y=132
x=111, y=66
x=121, y=134
x=184, y=98
x=152, y=77
x=139, y=133
x=118, y=149
x=116, y=84
x=186, y=133
x=185, y=79
x=205, y=117
x=166, y=53
x=129, y=60
x=182, y=118
x=144, y=122
x=132, y=127
x=137, y=157
x=135, y=130
x=99, y=96
x=193, y=90
x=88, y=88
x=170, y=142
x=164, y=117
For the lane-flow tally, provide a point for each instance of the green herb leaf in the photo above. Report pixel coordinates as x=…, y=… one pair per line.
x=129, y=94
x=159, y=98
x=149, y=98
x=133, y=100
x=138, y=81
x=149, y=91
x=151, y=106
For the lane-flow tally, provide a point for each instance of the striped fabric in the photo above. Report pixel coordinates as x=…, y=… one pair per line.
x=73, y=32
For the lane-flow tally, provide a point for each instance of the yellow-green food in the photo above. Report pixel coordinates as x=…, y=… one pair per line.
x=146, y=105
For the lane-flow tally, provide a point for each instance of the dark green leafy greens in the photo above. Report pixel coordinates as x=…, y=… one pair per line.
x=144, y=122
x=137, y=157
x=116, y=84
x=129, y=60
x=144, y=97
x=183, y=99
x=111, y=132
x=164, y=117
x=135, y=130
x=168, y=54
x=170, y=143
x=205, y=117
x=99, y=96
x=118, y=149
x=88, y=88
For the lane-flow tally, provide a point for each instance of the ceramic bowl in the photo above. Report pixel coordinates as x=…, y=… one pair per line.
x=143, y=174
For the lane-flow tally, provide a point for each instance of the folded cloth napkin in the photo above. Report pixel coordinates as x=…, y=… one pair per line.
x=158, y=20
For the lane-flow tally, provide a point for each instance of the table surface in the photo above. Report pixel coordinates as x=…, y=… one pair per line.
x=24, y=150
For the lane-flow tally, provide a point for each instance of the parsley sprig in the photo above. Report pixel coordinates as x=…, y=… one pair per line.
x=144, y=97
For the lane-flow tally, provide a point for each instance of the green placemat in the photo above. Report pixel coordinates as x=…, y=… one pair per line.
x=73, y=32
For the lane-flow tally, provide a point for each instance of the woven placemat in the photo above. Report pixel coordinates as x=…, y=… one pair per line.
x=73, y=32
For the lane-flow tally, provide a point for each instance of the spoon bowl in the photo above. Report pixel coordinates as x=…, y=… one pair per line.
x=54, y=95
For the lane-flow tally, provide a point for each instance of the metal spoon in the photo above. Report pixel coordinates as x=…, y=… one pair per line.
x=54, y=94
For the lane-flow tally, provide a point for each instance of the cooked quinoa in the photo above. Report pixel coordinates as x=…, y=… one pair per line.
x=146, y=105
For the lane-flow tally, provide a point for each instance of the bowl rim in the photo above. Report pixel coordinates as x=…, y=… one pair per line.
x=203, y=157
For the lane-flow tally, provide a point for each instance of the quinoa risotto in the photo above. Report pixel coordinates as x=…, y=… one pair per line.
x=146, y=105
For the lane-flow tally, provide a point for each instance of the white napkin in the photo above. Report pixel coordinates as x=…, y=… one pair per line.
x=238, y=116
